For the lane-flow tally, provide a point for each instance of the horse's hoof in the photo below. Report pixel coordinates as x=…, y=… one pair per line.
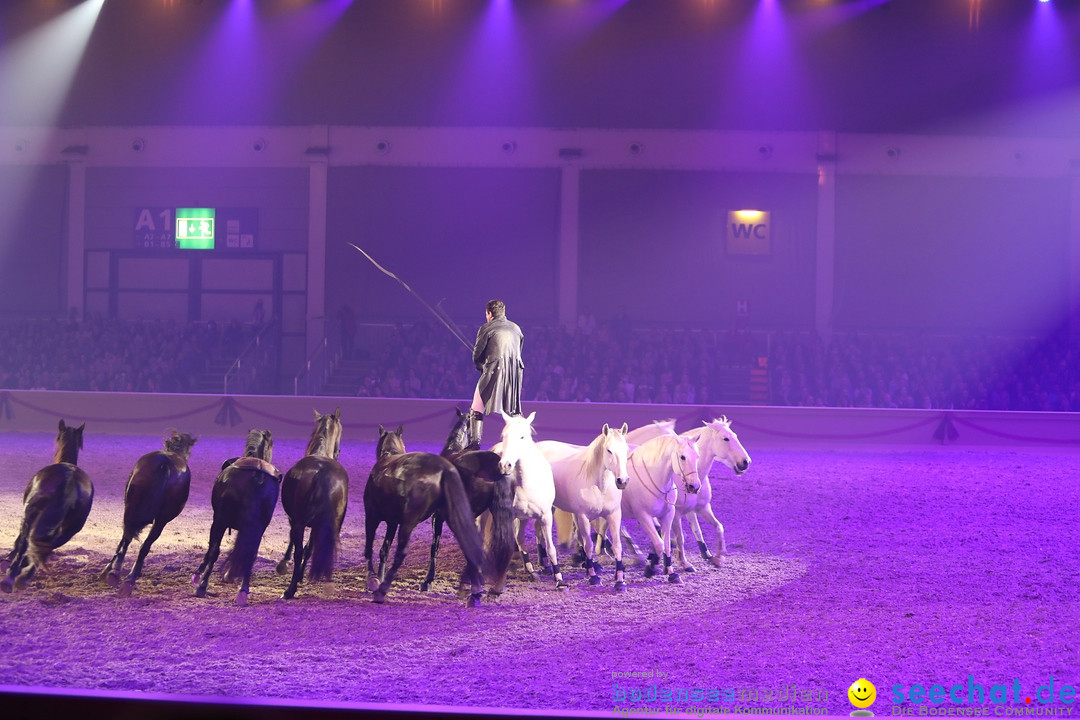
x=112, y=579
x=474, y=600
x=620, y=586
x=562, y=585
x=717, y=560
x=200, y=592
x=425, y=586
x=282, y=568
x=125, y=589
x=288, y=594
x=378, y=597
x=241, y=598
x=594, y=579
x=689, y=568
x=650, y=570
x=373, y=584
x=5, y=565
x=6, y=585
x=674, y=579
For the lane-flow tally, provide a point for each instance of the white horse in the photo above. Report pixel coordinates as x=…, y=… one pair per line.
x=588, y=484
x=655, y=466
x=534, y=489
x=716, y=441
x=565, y=527
x=656, y=428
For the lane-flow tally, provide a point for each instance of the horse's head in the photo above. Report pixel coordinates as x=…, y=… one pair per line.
x=260, y=444
x=517, y=438
x=326, y=437
x=684, y=462
x=615, y=451
x=459, y=438
x=69, y=442
x=725, y=445
x=179, y=443
x=389, y=443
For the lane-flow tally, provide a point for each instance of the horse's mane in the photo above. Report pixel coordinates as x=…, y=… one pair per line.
x=594, y=453
x=69, y=441
x=179, y=443
x=326, y=437
x=259, y=444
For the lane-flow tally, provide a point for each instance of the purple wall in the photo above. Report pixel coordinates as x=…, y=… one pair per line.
x=951, y=253
x=654, y=243
x=464, y=234
x=32, y=228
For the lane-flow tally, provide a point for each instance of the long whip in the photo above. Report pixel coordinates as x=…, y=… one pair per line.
x=453, y=331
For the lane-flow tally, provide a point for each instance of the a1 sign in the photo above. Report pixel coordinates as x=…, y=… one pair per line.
x=154, y=227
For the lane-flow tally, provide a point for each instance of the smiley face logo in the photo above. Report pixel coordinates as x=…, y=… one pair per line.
x=862, y=693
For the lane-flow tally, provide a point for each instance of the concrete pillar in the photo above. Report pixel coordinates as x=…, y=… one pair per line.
x=569, y=208
x=316, y=254
x=824, y=275
x=76, y=236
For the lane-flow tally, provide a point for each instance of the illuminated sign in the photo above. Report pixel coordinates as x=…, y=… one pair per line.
x=195, y=228
x=748, y=232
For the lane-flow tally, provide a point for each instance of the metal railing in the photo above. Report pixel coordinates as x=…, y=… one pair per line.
x=317, y=370
x=255, y=369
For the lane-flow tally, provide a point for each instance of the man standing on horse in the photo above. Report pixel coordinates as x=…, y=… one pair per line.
x=497, y=355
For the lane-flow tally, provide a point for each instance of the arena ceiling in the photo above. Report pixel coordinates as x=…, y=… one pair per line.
x=985, y=67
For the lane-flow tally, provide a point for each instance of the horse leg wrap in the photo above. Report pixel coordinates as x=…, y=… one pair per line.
x=620, y=582
x=704, y=549
x=654, y=560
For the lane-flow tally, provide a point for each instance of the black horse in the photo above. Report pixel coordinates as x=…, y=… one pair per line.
x=489, y=490
x=403, y=490
x=56, y=503
x=314, y=494
x=243, y=498
x=156, y=492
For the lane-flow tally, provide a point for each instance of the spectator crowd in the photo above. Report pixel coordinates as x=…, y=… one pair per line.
x=100, y=354
x=591, y=362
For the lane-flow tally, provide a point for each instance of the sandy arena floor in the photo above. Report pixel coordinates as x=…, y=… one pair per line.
x=902, y=567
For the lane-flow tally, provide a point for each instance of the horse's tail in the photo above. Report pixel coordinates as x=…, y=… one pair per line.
x=459, y=517
x=564, y=524
x=502, y=539
x=321, y=518
x=249, y=529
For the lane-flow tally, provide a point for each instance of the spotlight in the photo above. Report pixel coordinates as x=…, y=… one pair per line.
x=509, y=147
x=258, y=145
x=892, y=153
x=21, y=145
x=636, y=148
x=138, y=144
x=764, y=151
x=383, y=146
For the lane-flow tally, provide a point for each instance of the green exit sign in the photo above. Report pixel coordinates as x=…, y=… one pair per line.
x=195, y=228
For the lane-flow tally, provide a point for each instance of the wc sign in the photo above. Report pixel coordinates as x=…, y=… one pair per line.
x=748, y=232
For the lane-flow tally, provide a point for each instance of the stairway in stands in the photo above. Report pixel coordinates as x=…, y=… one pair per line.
x=346, y=378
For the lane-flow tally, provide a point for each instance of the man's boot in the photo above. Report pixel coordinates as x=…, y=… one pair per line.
x=476, y=427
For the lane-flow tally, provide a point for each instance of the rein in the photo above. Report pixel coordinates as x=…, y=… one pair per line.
x=659, y=492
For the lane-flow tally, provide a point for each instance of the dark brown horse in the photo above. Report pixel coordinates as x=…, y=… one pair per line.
x=489, y=490
x=244, y=496
x=156, y=492
x=314, y=494
x=56, y=503
x=403, y=490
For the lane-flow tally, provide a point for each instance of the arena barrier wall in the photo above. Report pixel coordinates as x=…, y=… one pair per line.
x=429, y=420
